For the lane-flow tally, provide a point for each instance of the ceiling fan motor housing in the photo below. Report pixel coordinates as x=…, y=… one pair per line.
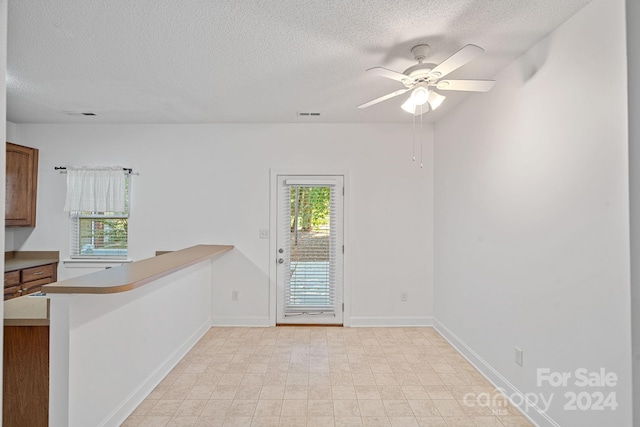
x=419, y=73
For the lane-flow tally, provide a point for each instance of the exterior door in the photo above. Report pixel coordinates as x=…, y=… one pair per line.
x=309, y=249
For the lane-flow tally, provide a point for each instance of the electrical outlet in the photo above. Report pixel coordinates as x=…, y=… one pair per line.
x=403, y=296
x=234, y=296
x=264, y=234
x=519, y=356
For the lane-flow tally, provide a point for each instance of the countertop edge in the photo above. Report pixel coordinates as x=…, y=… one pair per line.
x=136, y=274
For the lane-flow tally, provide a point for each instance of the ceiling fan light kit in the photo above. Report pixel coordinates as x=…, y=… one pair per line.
x=423, y=77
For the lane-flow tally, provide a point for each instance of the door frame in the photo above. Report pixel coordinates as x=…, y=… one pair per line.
x=273, y=250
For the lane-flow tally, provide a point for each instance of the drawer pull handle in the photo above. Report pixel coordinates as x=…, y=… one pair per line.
x=38, y=273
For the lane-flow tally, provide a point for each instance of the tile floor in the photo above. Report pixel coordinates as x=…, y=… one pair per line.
x=315, y=376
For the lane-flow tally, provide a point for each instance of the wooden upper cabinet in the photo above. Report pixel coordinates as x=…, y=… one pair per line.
x=22, y=186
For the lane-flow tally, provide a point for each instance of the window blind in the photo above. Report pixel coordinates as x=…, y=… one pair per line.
x=310, y=285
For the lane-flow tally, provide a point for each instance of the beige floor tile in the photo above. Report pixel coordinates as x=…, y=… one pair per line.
x=272, y=392
x=431, y=422
x=191, y=408
x=253, y=379
x=348, y=422
x=132, y=421
x=296, y=392
x=423, y=408
x=363, y=379
x=487, y=422
x=297, y=379
x=341, y=379
x=224, y=392
x=248, y=392
x=372, y=408
x=450, y=408
x=367, y=392
x=294, y=408
x=165, y=407
x=155, y=421
x=200, y=392
x=403, y=422
x=343, y=392
x=459, y=422
x=430, y=379
x=297, y=376
x=515, y=421
x=385, y=379
x=375, y=422
x=178, y=421
x=319, y=379
x=207, y=379
x=217, y=408
x=293, y=422
x=346, y=408
x=265, y=422
x=397, y=408
x=391, y=392
x=320, y=408
x=243, y=408
x=415, y=392
x=268, y=408
x=320, y=422
x=145, y=407
x=237, y=422
x=406, y=378
x=177, y=392
x=231, y=379
x=321, y=392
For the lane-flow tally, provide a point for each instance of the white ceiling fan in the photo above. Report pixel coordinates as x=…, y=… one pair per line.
x=423, y=78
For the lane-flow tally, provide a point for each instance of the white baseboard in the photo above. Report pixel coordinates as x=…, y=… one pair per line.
x=390, y=321
x=534, y=414
x=255, y=321
x=131, y=402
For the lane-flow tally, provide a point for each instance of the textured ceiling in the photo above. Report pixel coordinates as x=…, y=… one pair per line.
x=236, y=61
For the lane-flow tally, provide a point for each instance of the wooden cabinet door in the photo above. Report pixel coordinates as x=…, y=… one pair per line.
x=22, y=184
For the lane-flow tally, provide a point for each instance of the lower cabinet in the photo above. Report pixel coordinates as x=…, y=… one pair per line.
x=25, y=392
x=28, y=280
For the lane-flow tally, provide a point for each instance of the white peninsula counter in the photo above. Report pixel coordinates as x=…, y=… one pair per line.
x=116, y=333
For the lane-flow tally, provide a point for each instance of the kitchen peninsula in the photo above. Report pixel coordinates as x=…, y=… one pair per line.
x=116, y=333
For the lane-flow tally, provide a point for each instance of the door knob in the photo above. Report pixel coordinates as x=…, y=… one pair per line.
x=280, y=261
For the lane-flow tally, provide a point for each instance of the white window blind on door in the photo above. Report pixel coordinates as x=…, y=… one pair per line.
x=311, y=267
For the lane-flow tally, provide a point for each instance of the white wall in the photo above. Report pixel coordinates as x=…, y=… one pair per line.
x=531, y=217
x=8, y=235
x=210, y=184
x=3, y=132
x=633, y=58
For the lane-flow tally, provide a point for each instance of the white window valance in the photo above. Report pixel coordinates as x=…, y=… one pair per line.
x=95, y=189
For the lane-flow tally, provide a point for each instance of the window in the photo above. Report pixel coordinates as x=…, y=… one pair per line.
x=101, y=235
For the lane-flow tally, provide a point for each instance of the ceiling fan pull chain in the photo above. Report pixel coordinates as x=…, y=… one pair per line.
x=413, y=159
x=421, y=136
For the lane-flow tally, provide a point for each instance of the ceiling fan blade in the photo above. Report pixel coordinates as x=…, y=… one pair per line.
x=466, y=85
x=390, y=74
x=457, y=60
x=383, y=98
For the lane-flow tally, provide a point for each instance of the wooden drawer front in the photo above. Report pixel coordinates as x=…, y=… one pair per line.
x=12, y=278
x=35, y=285
x=11, y=291
x=37, y=273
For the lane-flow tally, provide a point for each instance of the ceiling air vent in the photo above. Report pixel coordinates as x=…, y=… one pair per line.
x=79, y=113
x=308, y=114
